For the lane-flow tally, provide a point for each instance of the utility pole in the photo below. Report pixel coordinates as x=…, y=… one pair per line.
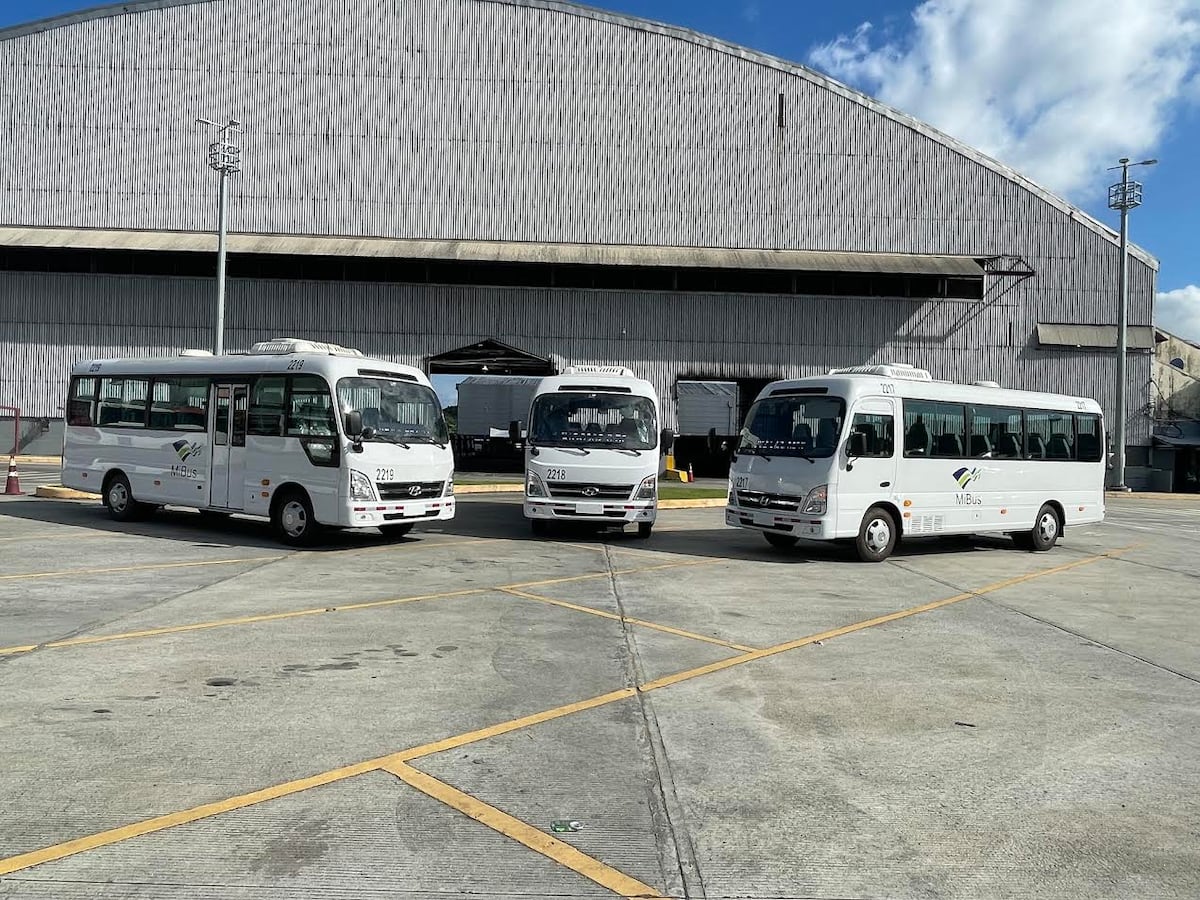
x=226, y=157
x=1123, y=196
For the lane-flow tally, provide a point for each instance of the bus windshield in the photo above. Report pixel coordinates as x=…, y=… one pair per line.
x=398, y=411
x=794, y=425
x=578, y=419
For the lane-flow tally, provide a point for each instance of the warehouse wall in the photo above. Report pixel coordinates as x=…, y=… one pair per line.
x=60, y=319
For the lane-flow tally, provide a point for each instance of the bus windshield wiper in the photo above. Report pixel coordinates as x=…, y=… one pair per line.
x=756, y=451
x=390, y=440
x=632, y=450
x=426, y=439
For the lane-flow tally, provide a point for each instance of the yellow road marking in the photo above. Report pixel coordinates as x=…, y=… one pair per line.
x=538, y=841
x=67, y=573
x=112, y=836
x=604, y=614
x=606, y=574
x=297, y=613
x=158, y=823
x=242, y=620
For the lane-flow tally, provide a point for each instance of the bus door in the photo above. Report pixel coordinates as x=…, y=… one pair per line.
x=870, y=477
x=229, y=446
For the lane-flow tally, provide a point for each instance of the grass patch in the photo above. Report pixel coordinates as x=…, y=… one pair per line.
x=683, y=492
x=509, y=478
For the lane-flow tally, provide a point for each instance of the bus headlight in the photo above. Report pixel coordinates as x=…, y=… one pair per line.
x=817, y=501
x=360, y=486
x=448, y=490
x=648, y=489
x=534, y=486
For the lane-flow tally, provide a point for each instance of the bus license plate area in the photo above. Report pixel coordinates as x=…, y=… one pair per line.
x=589, y=509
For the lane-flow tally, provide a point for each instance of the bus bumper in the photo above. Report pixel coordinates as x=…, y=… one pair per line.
x=365, y=515
x=616, y=512
x=810, y=528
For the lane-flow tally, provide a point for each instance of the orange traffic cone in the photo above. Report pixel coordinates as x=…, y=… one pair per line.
x=12, y=485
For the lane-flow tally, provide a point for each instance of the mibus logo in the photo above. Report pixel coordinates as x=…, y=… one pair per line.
x=965, y=476
x=184, y=450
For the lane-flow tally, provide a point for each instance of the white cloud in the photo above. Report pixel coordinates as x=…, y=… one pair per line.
x=1058, y=90
x=1178, y=312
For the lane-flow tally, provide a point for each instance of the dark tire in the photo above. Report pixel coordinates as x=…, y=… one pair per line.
x=876, y=535
x=1046, y=529
x=292, y=519
x=780, y=541
x=395, y=532
x=539, y=527
x=644, y=529
x=118, y=498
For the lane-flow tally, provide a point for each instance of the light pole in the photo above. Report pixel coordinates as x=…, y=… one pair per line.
x=226, y=157
x=1125, y=195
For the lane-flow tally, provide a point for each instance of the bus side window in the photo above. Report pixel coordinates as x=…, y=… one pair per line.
x=266, y=406
x=81, y=407
x=310, y=408
x=877, y=431
x=1088, y=445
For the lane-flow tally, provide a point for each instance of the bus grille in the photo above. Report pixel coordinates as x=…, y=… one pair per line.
x=758, y=500
x=589, y=491
x=404, y=490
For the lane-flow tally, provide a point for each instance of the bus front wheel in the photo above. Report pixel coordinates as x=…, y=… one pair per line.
x=292, y=519
x=395, y=532
x=118, y=497
x=876, y=536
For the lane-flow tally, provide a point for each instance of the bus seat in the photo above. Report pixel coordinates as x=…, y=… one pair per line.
x=613, y=428
x=802, y=433
x=826, y=437
x=916, y=439
x=370, y=417
x=594, y=428
x=1059, y=447
x=867, y=430
x=1036, y=446
x=948, y=445
x=1088, y=446
x=629, y=427
x=980, y=445
x=1008, y=446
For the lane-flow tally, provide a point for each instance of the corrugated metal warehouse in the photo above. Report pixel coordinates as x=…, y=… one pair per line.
x=528, y=177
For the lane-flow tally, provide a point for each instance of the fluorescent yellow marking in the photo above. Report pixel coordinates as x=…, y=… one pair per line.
x=68, y=573
x=392, y=761
x=243, y=620
x=604, y=614
x=538, y=841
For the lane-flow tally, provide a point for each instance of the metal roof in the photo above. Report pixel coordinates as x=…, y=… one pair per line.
x=497, y=251
x=692, y=37
x=1101, y=337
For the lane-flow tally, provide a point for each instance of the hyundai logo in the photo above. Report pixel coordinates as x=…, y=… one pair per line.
x=591, y=491
x=414, y=491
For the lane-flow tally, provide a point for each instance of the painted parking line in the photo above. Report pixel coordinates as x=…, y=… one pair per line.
x=300, y=613
x=604, y=614
x=523, y=833
x=147, y=567
x=159, y=823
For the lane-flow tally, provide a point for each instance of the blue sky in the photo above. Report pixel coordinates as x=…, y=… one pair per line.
x=1055, y=90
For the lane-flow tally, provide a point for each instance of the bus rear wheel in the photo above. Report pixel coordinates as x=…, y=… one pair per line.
x=644, y=529
x=876, y=536
x=1045, y=533
x=292, y=519
x=780, y=541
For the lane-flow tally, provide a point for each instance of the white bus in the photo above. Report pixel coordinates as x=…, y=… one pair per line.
x=592, y=449
x=303, y=433
x=876, y=453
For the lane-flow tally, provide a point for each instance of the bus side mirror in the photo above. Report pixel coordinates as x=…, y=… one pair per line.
x=353, y=423
x=514, y=431
x=666, y=439
x=857, y=445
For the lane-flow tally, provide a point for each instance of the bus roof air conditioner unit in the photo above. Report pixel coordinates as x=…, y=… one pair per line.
x=286, y=346
x=899, y=371
x=598, y=370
